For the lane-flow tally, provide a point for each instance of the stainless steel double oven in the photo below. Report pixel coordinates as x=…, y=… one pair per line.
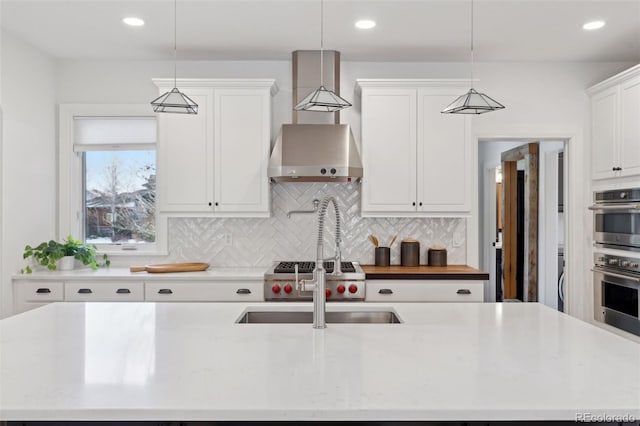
x=617, y=277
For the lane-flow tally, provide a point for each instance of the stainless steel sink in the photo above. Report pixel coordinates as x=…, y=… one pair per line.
x=306, y=317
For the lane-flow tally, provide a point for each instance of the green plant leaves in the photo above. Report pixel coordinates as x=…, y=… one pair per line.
x=48, y=253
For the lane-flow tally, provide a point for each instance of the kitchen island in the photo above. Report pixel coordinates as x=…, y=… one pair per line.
x=191, y=361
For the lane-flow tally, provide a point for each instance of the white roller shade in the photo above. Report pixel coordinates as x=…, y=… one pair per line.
x=114, y=133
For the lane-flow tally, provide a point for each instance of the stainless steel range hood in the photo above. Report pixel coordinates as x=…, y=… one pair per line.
x=315, y=153
x=312, y=149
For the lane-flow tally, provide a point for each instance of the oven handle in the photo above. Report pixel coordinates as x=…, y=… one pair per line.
x=613, y=274
x=619, y=207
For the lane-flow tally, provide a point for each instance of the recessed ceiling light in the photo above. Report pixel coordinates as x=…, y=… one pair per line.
x=134, y=22
x=365, y=24
x=593, y=25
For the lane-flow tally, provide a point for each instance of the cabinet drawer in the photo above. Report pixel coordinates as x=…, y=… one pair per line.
x=97, y=291
x=424, y=291
x=40, y=291
x=204, y=292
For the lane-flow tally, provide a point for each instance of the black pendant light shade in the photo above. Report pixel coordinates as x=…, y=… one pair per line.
x=174, y=101
x=472, y=102
x=322, y=100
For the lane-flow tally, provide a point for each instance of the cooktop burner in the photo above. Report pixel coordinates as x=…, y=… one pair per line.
x=307, y=267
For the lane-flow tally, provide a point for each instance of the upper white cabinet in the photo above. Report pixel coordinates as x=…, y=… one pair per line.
x=615, y=127
x=416, y=160
x=215, y=162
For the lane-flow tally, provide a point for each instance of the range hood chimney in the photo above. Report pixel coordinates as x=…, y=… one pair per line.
x=316, y=147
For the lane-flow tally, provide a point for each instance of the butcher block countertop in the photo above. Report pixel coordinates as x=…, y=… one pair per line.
x=424, y=272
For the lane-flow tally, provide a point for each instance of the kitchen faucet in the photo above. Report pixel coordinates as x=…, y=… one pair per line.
x=317, y=284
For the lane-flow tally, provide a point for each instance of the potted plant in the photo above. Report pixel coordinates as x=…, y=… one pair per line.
x=54, y=255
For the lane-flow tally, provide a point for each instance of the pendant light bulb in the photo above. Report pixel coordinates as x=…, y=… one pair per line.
x=174, y=101
x=472, y=102
x=322, y=99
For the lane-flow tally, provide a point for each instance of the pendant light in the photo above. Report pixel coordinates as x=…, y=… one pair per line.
x=174, y=101
x=472, y=102
x=322, y=99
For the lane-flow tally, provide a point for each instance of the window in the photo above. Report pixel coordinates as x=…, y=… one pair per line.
x=119, y=197
x=108, y=158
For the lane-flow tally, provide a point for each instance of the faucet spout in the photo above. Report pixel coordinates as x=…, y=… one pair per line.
x=319, y=279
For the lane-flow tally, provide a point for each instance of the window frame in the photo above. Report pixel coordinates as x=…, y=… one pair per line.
x=71, y=179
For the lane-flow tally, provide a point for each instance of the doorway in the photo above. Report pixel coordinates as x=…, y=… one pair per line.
x=550, y=226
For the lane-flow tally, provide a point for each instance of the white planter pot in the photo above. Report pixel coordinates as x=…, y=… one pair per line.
x=66, y=263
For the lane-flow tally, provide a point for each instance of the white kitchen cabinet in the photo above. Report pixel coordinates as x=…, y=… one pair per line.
x=615, y=128
x=29, y=295
x=424, y=291
x=101, y=291
x=189, y=291
x=416, y=161
x=215, y=163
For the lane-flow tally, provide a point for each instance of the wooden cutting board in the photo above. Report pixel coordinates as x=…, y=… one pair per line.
x=170, y=267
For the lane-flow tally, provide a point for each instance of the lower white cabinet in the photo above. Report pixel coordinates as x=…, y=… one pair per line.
x=101, y=291
x=32, y=294
x=189, y=291
x=424, y=291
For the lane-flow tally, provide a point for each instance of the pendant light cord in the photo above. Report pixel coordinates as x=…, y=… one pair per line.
x=321, y=43
x=472, y=44
x=175, y=36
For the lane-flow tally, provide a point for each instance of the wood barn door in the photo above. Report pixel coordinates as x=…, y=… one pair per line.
x=520, y=243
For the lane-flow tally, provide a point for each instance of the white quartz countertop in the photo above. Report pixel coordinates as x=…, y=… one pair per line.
x=190, y=361
x=211, y=274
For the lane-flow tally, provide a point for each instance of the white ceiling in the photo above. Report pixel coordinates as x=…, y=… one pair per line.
x=407, y=30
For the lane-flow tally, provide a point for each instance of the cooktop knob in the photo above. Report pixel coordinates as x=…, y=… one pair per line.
x=275, y=288
x=323, y=171
x=327, y=292
x=353, y=288
x=341, y=288
x=333, y=171
x=626, y=263
x=288, y=288
x=613, y=261
x=634, y=265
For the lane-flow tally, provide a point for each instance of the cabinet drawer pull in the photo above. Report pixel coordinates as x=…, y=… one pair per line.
x=243, y=291
x=43, y=290
x=84, y=291
x=463, y=291
x=123, y=291
x=385, y=291
x=165, y=291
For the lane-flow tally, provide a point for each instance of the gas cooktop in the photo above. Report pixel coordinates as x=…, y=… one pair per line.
x=306, y=267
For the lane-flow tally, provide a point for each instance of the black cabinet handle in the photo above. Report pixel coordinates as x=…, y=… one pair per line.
x=165, y=291
x=43, y=290
x=216, y=204
x=463, y=291
x=123, y=291
x=209, y=203
x=243, y=291
x=420, y=203
x=385, y=291
x=413, y=204
x=84, y=291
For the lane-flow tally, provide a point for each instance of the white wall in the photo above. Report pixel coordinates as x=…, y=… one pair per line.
x=541, y=100
x=28, y=155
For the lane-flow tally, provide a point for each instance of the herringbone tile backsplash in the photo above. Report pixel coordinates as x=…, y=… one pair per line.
x=258, y=242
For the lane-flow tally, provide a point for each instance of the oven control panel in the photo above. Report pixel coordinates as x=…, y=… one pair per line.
x=334, y=291
x=627, y=264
